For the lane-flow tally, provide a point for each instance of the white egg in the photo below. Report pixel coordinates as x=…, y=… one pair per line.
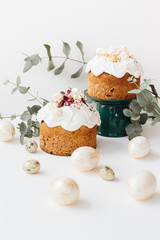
x=85, y=158
x=7, y=130
x=139, y=147
x=64, y=190
x=142, y=185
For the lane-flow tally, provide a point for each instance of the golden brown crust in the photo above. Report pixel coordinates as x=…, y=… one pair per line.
x=58, y=141
x=106, y=86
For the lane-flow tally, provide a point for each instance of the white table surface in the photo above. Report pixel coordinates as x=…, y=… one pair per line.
x=104, y=210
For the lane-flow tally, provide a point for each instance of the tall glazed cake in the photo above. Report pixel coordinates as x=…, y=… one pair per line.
x=108, y=72
x=67, y=123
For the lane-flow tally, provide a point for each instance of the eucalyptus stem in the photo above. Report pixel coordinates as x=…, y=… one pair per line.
x=16, y=116
x=27, y=92
x=67, y=58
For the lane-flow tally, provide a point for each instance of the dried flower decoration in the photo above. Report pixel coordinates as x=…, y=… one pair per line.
x=72, y=96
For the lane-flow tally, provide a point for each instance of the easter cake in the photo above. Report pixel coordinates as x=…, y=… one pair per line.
x=108, y=74
x=67, y=123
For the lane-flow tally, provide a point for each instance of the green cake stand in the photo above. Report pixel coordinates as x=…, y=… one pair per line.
x=113, y=121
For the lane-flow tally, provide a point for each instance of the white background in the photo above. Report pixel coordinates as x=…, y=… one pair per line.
x=26, y=25
x=104, y=211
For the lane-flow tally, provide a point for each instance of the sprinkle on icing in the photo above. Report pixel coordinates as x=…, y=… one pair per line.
x=116, y=61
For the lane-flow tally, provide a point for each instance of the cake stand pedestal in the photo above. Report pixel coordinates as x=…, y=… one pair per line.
x=113, y=121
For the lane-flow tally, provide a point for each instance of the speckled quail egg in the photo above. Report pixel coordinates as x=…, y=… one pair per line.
x=31, y=166
x=106, y=173
x=31, y=146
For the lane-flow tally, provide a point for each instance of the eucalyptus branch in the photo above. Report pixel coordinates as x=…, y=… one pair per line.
x=22, y=90
x=144, y=107
x=35, y=59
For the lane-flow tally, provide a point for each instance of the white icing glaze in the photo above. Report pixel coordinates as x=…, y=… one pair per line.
x=116, y=61
x=70, y=118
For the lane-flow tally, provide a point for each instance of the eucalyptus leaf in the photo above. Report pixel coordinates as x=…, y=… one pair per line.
x=23, y=90
x=22, y=139
x=145, y=84
x=80, y=46
x=14, y=90
x=129, y=129
x=26, y=116
x=37, y=124
x=31, y=100
x=143, y=97
x=18, y=80
x=134, y=80
x=29, y=122
x=130, y=78
x=48, y=48
x=60, y=69
x=149, y=107
x=34, y=109
x=155, y=100
x=127, y=112
x=23, y=127
x=35, y=62
x=29, y=110
x=148, y=95
x=134, y=105
x=137, y=128
x=78, y=73
x=135, y=91
x=156, y=107
x=143, y=118
x=6, y=82
x=35, y=59
x=133, y=135
x=50, y=65
x=133, y=130
x=36, y=132
x=31, y=61
x=66, y=49
x=27, y=66
x=135, y=116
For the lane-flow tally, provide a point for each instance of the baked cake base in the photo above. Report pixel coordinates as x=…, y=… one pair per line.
x=58, y=141
x=106, y=86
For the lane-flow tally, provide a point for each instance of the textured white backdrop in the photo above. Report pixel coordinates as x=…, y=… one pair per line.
x=26, y=25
